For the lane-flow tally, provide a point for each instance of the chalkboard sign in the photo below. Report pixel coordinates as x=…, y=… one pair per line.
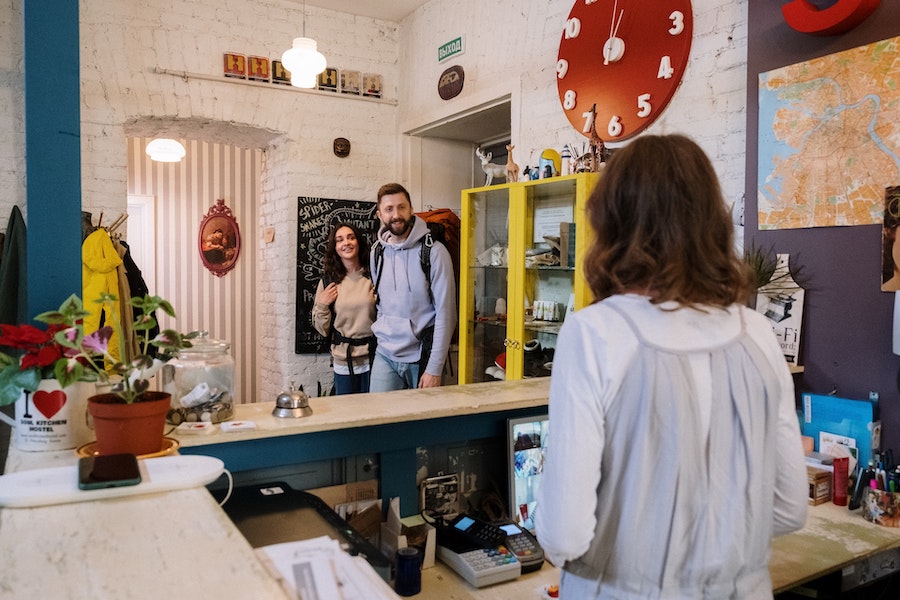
x=315, y=218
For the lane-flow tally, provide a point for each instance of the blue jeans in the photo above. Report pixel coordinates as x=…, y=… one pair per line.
x=388, y=375
x=358, y=383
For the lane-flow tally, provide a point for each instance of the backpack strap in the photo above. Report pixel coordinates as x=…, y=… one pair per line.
x=378, y=249
x=326, y=280
x=425, y=261
x=370, y=341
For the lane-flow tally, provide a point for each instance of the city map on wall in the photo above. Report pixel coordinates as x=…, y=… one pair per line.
x=315, y=217
x=829, y=141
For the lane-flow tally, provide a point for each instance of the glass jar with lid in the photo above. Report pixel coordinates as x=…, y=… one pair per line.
x=201, y=381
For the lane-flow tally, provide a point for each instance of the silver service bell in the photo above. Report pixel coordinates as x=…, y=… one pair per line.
x=293, y=404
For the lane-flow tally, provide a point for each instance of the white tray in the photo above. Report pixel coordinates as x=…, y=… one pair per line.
x=59, y=485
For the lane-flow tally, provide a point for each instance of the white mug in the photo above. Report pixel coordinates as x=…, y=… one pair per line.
x=52, y=418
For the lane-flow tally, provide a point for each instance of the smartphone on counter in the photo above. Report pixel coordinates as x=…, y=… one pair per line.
x=113, y=470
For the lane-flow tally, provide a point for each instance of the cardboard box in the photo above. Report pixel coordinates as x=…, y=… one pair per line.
x=819, y=485
x=567, y=244
x=347, y=493
x=397, y=533
x=357, y=503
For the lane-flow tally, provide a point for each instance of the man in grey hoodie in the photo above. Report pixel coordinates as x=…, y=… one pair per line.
x=413, y=326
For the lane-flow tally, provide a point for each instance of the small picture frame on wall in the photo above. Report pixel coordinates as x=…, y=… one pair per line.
x=219, y=239
x=258, y=68
x=372, y=85
x=349, y=82
x=279, y=73
x=235, y=65
x=328, y=80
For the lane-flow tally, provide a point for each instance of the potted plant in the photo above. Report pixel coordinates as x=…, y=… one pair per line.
x=129, y=402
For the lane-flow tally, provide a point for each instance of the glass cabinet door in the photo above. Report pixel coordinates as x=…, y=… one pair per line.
x=521, y=254
x=484, y=283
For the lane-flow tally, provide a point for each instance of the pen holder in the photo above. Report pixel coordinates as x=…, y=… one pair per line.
x=408, y=578
x=881, y=508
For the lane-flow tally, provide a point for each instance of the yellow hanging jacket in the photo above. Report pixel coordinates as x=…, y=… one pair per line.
x=99, y=261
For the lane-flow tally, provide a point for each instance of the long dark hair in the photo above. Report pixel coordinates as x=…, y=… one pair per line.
x=332, y=266
x=662, y=228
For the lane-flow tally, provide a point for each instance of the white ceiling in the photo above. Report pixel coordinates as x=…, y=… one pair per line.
x=386, y=10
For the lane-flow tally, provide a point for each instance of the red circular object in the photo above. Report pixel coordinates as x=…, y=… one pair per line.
x=647, y=63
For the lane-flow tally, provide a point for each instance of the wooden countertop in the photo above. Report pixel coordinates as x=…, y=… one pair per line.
x=332, y=413
x=833, y=538
x=171, y=545
x=182, y=545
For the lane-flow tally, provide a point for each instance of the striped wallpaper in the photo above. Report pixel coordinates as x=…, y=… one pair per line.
x=225, y=306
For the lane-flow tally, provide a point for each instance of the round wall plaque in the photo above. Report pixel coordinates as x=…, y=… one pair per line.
x=341, y=147
x=450, y=83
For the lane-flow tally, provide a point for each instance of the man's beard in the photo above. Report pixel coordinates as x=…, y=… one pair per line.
x=399, y=227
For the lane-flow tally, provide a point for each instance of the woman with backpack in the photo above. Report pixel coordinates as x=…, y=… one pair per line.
x=344, y=308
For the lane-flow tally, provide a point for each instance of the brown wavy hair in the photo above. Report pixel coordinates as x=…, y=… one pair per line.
x=332, y=266
x=662, y=228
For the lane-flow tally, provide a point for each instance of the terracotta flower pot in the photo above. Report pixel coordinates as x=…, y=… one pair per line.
x=135, y=428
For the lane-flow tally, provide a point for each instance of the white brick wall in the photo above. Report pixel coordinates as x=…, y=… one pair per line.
x=122, y=45
x=511, y=48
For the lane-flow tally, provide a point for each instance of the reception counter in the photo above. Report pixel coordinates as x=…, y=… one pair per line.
x=391, y=424
x=182, y=545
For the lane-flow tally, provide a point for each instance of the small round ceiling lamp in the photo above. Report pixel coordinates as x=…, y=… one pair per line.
x=165, y=150
x=304, y=62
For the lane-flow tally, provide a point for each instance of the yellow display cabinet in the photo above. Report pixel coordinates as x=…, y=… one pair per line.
x=520, y=273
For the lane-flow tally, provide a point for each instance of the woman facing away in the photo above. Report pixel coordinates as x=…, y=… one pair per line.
x=344, y=308
x=675, y=450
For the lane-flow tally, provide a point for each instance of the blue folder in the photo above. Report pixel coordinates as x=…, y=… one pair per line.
x=842, y=416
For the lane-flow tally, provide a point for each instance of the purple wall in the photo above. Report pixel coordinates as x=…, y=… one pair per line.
x=847, y=319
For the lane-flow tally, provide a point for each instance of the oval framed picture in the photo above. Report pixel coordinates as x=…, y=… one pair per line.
x=219, y=239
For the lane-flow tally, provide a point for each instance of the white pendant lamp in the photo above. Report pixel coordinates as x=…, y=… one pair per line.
x=165, y=150
x=304, y=62
x=303, y=59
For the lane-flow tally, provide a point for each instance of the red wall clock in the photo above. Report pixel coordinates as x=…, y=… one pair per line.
x=840, y=17
x=625, y=56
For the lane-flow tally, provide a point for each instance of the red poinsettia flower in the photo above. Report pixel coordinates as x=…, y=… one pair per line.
x=42, y=357
x=41, y=349
x=24, y=337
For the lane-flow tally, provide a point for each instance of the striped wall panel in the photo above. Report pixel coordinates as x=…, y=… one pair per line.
x=225, y=306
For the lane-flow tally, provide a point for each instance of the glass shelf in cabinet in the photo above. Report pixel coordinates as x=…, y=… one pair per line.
x=549, y=327
x=489, y=322
x=551, y=268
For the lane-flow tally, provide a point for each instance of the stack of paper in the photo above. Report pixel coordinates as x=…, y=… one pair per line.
x=317, y=569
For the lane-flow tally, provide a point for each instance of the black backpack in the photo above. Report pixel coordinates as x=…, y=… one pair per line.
x=434, y=234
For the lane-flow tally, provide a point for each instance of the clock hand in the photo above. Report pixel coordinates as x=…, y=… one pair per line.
x=614, y=48
x=612, y=23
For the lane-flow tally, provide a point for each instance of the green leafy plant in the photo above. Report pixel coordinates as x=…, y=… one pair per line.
x=65, y=353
